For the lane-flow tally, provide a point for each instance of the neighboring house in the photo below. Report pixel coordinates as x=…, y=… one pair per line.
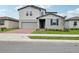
x=8, y=22
x=72, y=23
x=36, y=17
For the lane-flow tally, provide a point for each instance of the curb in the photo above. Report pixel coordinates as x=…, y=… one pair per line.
x=43, y=40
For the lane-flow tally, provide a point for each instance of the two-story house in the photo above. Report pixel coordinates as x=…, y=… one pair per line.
x=35, y=17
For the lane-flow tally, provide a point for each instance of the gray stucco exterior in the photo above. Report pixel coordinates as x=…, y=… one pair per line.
x=33, y=21
x=70, y=24
x=9, y=22
x=48, y=22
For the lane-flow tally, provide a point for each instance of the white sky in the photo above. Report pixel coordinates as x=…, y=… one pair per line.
x=39, y=2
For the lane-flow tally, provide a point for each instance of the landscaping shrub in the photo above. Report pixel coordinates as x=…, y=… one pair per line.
x=66, y=30
x=3, y=28
x=37, y=29
x=53, y=30
x=74, y=29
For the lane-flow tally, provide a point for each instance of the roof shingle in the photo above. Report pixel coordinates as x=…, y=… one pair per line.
x=8, y=18
x=73, y=18
x=50, y=14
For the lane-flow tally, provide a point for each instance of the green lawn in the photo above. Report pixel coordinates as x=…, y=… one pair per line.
x=56, y=32
x=5, y=30
x=54, y=38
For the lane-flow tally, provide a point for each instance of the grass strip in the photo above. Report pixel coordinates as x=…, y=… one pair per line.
x=56, y=32
x=54, y=38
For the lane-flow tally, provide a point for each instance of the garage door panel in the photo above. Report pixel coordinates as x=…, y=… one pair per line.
x=29, y=25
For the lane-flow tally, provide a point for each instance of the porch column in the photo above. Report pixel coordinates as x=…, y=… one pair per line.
x=37, y=23
x=20, y=24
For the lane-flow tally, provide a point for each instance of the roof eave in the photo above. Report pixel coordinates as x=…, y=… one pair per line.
x=31, y=6
x=51, y=14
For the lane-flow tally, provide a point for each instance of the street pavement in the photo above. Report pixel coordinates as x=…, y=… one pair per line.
x=38, y=47
x=20, y=43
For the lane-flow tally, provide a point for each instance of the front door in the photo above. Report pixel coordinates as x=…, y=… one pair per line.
x=42, y=23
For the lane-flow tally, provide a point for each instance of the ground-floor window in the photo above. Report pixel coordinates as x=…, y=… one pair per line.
x=1, y=22
x=54, y=22
x=75, y=23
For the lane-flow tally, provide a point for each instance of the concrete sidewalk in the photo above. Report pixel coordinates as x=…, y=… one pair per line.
x=25, y=38
x=60, y=35
x=13, y=37
x=55, y=35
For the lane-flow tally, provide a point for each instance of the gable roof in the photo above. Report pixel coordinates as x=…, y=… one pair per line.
x=8, y=18
x=73, y=18
x=32, y=6
x=50, y=14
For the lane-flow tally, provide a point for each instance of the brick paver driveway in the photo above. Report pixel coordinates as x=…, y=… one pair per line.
x=27, y=31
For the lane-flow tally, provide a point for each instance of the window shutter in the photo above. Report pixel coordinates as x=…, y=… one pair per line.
x=51, y=22
x=57, y=22
x=27, y=13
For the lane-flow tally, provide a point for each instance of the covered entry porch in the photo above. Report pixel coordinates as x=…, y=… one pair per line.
x=41, y=23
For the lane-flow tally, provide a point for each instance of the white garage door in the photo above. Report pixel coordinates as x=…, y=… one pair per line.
x=29, y=24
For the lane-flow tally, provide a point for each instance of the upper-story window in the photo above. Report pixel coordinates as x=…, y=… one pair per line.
x=29, y=13
x=54, y=22
x=75, y=23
